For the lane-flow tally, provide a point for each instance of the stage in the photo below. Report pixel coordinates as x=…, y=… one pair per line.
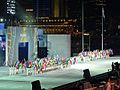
x=54, y=78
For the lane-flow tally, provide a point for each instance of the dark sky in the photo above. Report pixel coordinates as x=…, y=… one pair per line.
x=113, y=7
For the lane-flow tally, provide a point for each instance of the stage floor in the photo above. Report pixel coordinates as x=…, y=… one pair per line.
x=54, y=78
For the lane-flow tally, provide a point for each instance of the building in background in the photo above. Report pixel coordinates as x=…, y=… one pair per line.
x=50, y=8
x=42, y=8
x=65, y=16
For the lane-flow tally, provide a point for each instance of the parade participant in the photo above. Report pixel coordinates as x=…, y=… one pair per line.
x=39, y=65
x=82, y=57
x=23, y=65
x=83, y=53
x=17, y=65
x=70, y=61
x=107, y=53
x=67, y=61
x=57, y=59
x=111, y=52
x=90, y=55
x=45, y=65
x=35, y=67
x=103, y=53
x=28, y=67
x=52, y=60
x=20, y=64
x=74, y=60
x=41, y=68
x=101, y=56
x=49, y=62
x=29, y=64
x=96, y=54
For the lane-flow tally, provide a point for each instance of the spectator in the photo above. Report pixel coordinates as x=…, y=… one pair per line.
x=108, y=84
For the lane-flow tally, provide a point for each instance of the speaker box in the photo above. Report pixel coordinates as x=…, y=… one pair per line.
x=86, y=74
x=36, y=85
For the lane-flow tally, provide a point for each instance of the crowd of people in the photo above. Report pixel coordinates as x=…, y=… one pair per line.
x=38, y=65
x=96, y=54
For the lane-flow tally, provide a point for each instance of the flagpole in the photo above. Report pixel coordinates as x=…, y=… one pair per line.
x=102, y=28
x=82, y=24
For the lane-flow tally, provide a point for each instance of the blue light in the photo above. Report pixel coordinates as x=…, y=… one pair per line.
x=2, y=26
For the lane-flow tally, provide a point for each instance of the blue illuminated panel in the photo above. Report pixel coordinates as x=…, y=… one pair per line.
x=2, y=26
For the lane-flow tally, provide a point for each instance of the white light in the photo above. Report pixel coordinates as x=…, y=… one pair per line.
x=86, y=34
x=1, y=20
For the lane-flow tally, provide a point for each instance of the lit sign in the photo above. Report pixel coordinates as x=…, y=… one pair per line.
x=11, y=7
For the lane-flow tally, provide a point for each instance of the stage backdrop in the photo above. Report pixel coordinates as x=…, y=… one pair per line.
x=19, y=39
x=59, y=45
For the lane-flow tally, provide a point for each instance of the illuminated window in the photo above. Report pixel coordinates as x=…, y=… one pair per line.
x=29, y=10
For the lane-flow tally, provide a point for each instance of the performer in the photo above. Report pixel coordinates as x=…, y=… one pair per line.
x=23, y=65
x=70, y=61
x=45, y=65
x=57, y=59
x=29, y=64
x=35, y=67
x=74, y=60
x=17, y=65
x=41, y=67
x=111, y=52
